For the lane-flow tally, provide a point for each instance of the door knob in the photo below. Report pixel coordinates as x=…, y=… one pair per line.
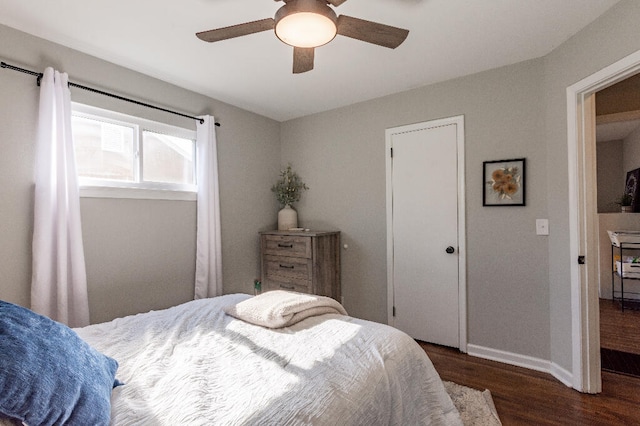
x=450, y=250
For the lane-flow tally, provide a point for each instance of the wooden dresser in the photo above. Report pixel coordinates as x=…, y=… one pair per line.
x=302, y=261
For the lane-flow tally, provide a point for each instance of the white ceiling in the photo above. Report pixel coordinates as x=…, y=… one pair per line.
x=447, y=39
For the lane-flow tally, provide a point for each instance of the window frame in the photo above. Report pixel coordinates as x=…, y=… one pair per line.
x=140, y=189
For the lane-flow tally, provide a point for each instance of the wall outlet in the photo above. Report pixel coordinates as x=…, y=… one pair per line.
x=542, y=226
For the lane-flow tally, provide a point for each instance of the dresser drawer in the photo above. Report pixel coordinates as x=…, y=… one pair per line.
x=289, y=268
x=301, y=261
x=298, y=286
x=287, y=245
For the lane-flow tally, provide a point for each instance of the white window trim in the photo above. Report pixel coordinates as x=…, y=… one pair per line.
x=136, y=193
x=102, y=188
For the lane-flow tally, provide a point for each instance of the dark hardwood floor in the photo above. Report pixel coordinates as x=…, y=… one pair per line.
x=527, y=397
x=619, y=330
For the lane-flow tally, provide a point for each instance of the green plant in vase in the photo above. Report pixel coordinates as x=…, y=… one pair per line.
x=288, y=190
x=625, y=202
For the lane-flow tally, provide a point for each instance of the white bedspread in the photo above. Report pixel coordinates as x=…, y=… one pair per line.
x=193, y=364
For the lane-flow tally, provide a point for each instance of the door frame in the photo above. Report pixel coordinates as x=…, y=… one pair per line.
x=583, y=225
x=462, y=264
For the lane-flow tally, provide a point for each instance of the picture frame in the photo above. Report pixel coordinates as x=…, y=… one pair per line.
x=632, y=187
x=503, y=183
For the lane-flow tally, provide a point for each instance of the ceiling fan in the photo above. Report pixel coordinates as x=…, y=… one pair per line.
x=307, y=24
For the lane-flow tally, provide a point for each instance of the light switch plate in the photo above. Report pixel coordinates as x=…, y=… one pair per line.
x=542, y=226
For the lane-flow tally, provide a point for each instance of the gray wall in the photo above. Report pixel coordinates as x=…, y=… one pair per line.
x=140, y=253
x=631, y=153
x=615, y=159
x=611, y=175
x=341, y=156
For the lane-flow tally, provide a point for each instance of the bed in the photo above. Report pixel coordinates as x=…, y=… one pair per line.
x=200, y=364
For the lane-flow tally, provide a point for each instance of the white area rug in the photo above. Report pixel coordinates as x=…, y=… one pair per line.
x=476, y=407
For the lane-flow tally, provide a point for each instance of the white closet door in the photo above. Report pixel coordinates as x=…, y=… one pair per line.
x=425, y=233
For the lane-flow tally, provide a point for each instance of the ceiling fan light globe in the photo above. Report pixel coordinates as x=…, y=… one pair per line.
x=306, y=29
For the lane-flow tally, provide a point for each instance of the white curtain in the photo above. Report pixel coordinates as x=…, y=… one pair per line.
x=208, y=245
x=59, y=280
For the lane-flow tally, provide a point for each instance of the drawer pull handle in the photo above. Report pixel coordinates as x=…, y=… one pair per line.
x=287, y=266
x=287, y=287
x=285, y=245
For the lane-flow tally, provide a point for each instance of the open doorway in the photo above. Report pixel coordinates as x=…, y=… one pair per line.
x=583, y=228
x=617, y=109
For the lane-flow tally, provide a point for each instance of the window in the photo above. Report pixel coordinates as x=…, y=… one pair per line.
x=116, y=151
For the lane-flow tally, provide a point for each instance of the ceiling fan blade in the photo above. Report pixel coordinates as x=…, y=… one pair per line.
x=236, y=30
x=336, y=3
x=371, y=32
x=303, y=59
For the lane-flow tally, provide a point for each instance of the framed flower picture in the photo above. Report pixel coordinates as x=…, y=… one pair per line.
x=503, y=182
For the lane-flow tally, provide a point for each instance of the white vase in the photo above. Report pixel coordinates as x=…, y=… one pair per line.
x=287, y=218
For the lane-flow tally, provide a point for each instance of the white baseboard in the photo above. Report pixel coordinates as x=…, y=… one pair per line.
x=524, y=361
x=562, y=374
x=627, y=294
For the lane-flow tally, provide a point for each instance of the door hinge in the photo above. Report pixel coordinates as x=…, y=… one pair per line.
x=394, y=311
x=581, y=260
x=391, y=152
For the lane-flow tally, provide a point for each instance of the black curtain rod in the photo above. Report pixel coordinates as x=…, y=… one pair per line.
x=39, y=75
